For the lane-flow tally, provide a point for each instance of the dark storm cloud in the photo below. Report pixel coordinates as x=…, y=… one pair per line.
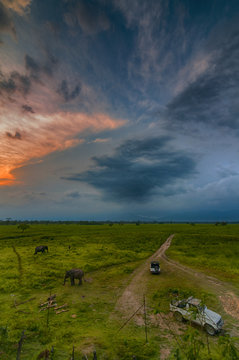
x=213, y=97
x=17, y=135
x=35, y=69
x=89, y=15
x=15, y=82
x=138, y=169
x=31, y=64
x=6, y=23
x=50, y=64
x=28, y=108
x=64, y=91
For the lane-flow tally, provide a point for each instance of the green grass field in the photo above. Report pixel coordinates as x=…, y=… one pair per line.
x=212, y=249
x=108, y=255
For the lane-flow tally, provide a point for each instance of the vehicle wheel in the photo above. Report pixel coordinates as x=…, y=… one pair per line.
x=178, y=316
x=210, y=330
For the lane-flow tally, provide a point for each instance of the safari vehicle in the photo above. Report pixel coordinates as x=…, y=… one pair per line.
x=154, y=267
x=192, y=309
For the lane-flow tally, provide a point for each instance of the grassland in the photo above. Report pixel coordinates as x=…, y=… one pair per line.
x=108, y=255
x=210, y=248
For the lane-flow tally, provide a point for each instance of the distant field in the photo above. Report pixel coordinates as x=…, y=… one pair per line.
x=108, y=255
x=213, y=249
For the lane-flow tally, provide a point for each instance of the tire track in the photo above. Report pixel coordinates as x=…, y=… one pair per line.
x=19, y=260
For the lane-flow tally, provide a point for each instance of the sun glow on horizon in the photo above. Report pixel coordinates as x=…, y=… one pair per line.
x=24, y=141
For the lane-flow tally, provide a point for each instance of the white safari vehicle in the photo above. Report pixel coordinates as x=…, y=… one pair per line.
x=192, y=309
x=155, y=267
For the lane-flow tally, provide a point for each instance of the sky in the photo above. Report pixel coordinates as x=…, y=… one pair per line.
x=119, y=110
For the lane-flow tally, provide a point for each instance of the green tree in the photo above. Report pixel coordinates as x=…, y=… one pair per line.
x=23, y=227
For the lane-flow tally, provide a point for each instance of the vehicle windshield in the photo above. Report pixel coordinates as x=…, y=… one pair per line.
x=154, y=264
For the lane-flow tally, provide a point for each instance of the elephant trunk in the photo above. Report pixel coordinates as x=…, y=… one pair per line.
x=65, y=279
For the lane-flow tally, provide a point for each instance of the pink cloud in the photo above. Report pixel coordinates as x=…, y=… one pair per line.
x=17, y=5
x=30, y=137
x=100, y=140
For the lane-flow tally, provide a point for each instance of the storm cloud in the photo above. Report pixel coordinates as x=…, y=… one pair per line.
x=36, y=69
x=89, y=76
x=213, y=97
x=6, y=23
x=88, y=15
x=28, y=108
x=15, y=82
x=138, y=169
x=64, y=91
x=17, y=135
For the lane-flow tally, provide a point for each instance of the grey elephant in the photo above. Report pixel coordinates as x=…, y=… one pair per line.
x=41, y=249
x=74, y=274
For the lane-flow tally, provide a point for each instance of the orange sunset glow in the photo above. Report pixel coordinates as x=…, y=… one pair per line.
x=21, y=145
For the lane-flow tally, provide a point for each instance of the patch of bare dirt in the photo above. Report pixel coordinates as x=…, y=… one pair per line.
x=230, y=304
x=167, y=322
x=88, y=350
x=164, y=353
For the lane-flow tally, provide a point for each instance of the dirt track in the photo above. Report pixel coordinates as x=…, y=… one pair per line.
x=132, y=296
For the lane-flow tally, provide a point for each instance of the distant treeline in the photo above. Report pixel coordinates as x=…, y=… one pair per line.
x=9, y=221
x=69, y=222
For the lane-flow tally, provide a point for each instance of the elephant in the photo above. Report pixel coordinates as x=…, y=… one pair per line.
x=41, y=249
x=74, y=274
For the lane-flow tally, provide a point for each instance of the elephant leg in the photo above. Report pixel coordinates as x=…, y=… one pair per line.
x=80, y=281
x=72, y=280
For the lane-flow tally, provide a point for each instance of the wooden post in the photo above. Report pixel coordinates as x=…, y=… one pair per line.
x=145, y=322
x=19, y=348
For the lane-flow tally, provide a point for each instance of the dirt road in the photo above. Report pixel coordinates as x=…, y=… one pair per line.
x=132, y=296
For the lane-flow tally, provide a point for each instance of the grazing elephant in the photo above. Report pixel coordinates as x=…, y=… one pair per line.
x=74, y=274
x=41, y=249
